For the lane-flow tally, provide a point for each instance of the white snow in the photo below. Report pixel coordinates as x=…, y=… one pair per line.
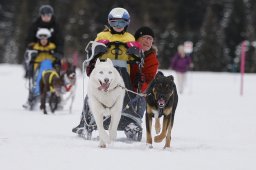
x=214, y=129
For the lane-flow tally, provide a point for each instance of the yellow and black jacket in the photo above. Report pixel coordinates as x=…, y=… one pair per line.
x=44, y=52
x=117, y=49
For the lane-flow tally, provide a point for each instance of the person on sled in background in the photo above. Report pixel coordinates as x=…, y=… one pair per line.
x=47, y=20
x=117, y=39
x=45, y=50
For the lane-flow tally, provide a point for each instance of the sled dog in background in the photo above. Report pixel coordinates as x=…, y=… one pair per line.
x=105, y=97
x=69, y=85
x=162, y=100
x=50, y=84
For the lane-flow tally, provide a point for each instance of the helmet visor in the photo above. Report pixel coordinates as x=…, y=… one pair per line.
x=118, y=23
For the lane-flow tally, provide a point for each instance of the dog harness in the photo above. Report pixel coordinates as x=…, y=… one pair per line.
x=68, y=84
x=52, y=74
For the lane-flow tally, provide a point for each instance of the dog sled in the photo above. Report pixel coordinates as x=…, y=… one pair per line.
x=133, y=104
x=34, y=76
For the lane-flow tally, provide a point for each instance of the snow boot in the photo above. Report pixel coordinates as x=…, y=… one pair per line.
x=79, y=129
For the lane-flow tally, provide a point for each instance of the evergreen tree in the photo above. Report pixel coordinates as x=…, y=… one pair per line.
x=209, y=56
x=236, y=29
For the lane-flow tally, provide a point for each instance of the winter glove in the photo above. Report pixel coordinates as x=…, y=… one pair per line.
x=139, y=78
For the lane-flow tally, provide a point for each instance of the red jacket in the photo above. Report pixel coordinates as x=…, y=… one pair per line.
x=149, y=69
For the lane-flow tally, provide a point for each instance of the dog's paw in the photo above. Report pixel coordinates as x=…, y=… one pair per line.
x=167, y=145
x=149, y=146
x=45, y=112
x=102, y=146
x=159, y=138
x=167, y=148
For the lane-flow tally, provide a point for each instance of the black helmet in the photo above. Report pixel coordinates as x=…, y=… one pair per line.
x=46, y=10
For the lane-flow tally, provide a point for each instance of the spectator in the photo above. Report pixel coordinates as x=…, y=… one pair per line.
x=180, y=63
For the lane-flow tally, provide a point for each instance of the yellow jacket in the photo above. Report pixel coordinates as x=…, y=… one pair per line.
x=106, y=35
x=44, y=52
x=116, y=53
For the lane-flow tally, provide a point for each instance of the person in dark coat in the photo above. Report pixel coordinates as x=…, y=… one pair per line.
x=180, y=63
x=47, y=20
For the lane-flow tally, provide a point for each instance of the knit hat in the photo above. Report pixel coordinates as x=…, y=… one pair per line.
x=144, y=31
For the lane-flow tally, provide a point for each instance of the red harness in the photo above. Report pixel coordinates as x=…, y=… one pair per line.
x=68, y=87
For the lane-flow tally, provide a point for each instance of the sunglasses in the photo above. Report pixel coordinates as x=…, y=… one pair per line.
x=118, y=23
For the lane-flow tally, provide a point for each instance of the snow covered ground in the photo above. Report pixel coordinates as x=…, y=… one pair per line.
x=214, y=129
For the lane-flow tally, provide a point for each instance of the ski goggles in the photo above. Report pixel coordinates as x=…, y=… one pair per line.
x=118, y=23
x=42, y=37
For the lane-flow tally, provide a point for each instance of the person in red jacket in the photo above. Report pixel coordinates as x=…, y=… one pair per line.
x=145, y=36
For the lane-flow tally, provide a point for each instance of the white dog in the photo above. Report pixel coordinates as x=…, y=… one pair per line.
x=105, y=97
x=69, y=93
x=69, y=88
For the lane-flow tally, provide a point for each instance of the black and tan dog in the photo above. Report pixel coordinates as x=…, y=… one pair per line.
x=162, y=100
x=50, y=85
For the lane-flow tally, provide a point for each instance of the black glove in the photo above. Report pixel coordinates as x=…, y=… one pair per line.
x=139, y=78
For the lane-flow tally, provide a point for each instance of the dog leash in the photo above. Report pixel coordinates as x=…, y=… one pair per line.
x=139, y=94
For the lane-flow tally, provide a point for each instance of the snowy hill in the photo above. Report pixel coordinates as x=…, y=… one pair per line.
x=214, y=129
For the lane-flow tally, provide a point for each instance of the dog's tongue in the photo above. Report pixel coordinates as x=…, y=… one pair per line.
x=161, y=102
x=104, y=86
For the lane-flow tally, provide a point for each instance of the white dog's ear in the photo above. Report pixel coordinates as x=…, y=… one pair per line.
x=97, y=61
x=109, y=62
